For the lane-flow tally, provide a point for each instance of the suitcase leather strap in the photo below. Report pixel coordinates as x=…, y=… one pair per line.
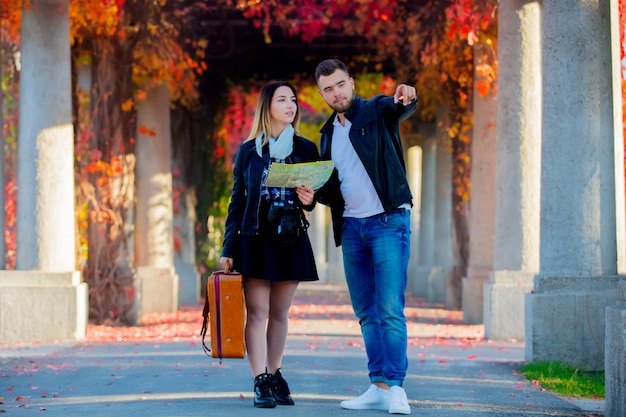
x=205, y=322
x=218, y=321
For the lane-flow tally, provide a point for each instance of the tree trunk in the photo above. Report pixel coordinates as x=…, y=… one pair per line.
x=107, y=186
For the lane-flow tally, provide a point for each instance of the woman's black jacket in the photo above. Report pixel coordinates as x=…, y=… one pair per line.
x=244, y=204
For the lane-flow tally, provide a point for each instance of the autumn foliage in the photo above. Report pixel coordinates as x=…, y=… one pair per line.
x=10, y=19
x=447, y=48
x=126, y=47
x=432, y=44
x=133, y=47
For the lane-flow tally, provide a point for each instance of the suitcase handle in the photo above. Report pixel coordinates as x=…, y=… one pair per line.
x=227, y=270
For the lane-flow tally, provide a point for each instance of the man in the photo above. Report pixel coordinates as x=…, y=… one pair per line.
x=369, y=198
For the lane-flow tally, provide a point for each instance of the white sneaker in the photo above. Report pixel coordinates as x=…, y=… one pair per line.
x=373, y=399
x=398, y=403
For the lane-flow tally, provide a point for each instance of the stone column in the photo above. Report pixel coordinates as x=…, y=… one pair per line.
x=482, y=199
x=334, y=256
x=184, y=222
x=615, y=358
x=45, y=174
x=45, y=298
x=158, y=282
x=435, y=230
x=578, y=258
x=318, y=229
x=184, y=201
x=615, y=342
x=414, y=175
x=426, y=232
x=334, y=272
x=442, y=267
x=518, y=169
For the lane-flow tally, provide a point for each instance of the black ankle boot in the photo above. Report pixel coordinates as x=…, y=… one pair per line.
x=263, y=391
x=280, y=389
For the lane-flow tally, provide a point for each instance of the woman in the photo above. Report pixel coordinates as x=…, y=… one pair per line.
x=265, y=236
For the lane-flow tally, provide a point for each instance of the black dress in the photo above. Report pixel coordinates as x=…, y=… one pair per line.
x=265, y=256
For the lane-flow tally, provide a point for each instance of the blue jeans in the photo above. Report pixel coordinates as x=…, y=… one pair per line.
x=376, y=258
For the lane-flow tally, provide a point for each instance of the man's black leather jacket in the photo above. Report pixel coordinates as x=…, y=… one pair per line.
x=375, y=135
x=243, y=210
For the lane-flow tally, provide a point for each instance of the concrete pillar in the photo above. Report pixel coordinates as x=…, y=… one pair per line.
x=334, y=257
x=615, y=358
x=578, y=256
x=435, y=224
x=482, y=199
x=518, y=163
x=319, y=229
x=414, y=175
x=615, y=340
x=41, y=306
x=440, y=273
x=45, y=172
x=184, y=204
x=45, y=298
x=426, y=235
x=158, y=282
x=184, y=222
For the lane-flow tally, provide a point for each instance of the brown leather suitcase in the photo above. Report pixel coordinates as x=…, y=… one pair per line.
x=225, y=309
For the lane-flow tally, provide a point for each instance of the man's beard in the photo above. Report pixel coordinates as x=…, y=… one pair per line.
x=344, y=106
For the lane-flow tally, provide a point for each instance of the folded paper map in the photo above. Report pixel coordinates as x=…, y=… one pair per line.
x=313, y=174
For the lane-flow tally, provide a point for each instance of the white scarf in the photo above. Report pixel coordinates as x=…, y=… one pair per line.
x=279, y=148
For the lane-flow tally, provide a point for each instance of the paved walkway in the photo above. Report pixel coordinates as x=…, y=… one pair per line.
x=452, y=372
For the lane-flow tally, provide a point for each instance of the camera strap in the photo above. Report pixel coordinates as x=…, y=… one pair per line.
x=266, y=160
x=276, y=194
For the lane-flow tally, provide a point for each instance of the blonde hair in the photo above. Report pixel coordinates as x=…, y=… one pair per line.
x=262, y=114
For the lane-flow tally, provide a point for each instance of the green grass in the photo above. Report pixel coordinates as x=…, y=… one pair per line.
x=565, y=380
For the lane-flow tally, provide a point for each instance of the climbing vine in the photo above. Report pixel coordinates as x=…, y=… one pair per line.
x=128, y=47
x=430, y=43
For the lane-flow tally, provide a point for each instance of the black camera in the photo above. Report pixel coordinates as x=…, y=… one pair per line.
x=287, y=220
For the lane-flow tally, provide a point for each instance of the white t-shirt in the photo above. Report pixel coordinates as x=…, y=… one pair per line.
x=356, y=186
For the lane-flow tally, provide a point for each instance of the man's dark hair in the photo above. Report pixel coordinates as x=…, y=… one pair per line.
x=327, y=67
